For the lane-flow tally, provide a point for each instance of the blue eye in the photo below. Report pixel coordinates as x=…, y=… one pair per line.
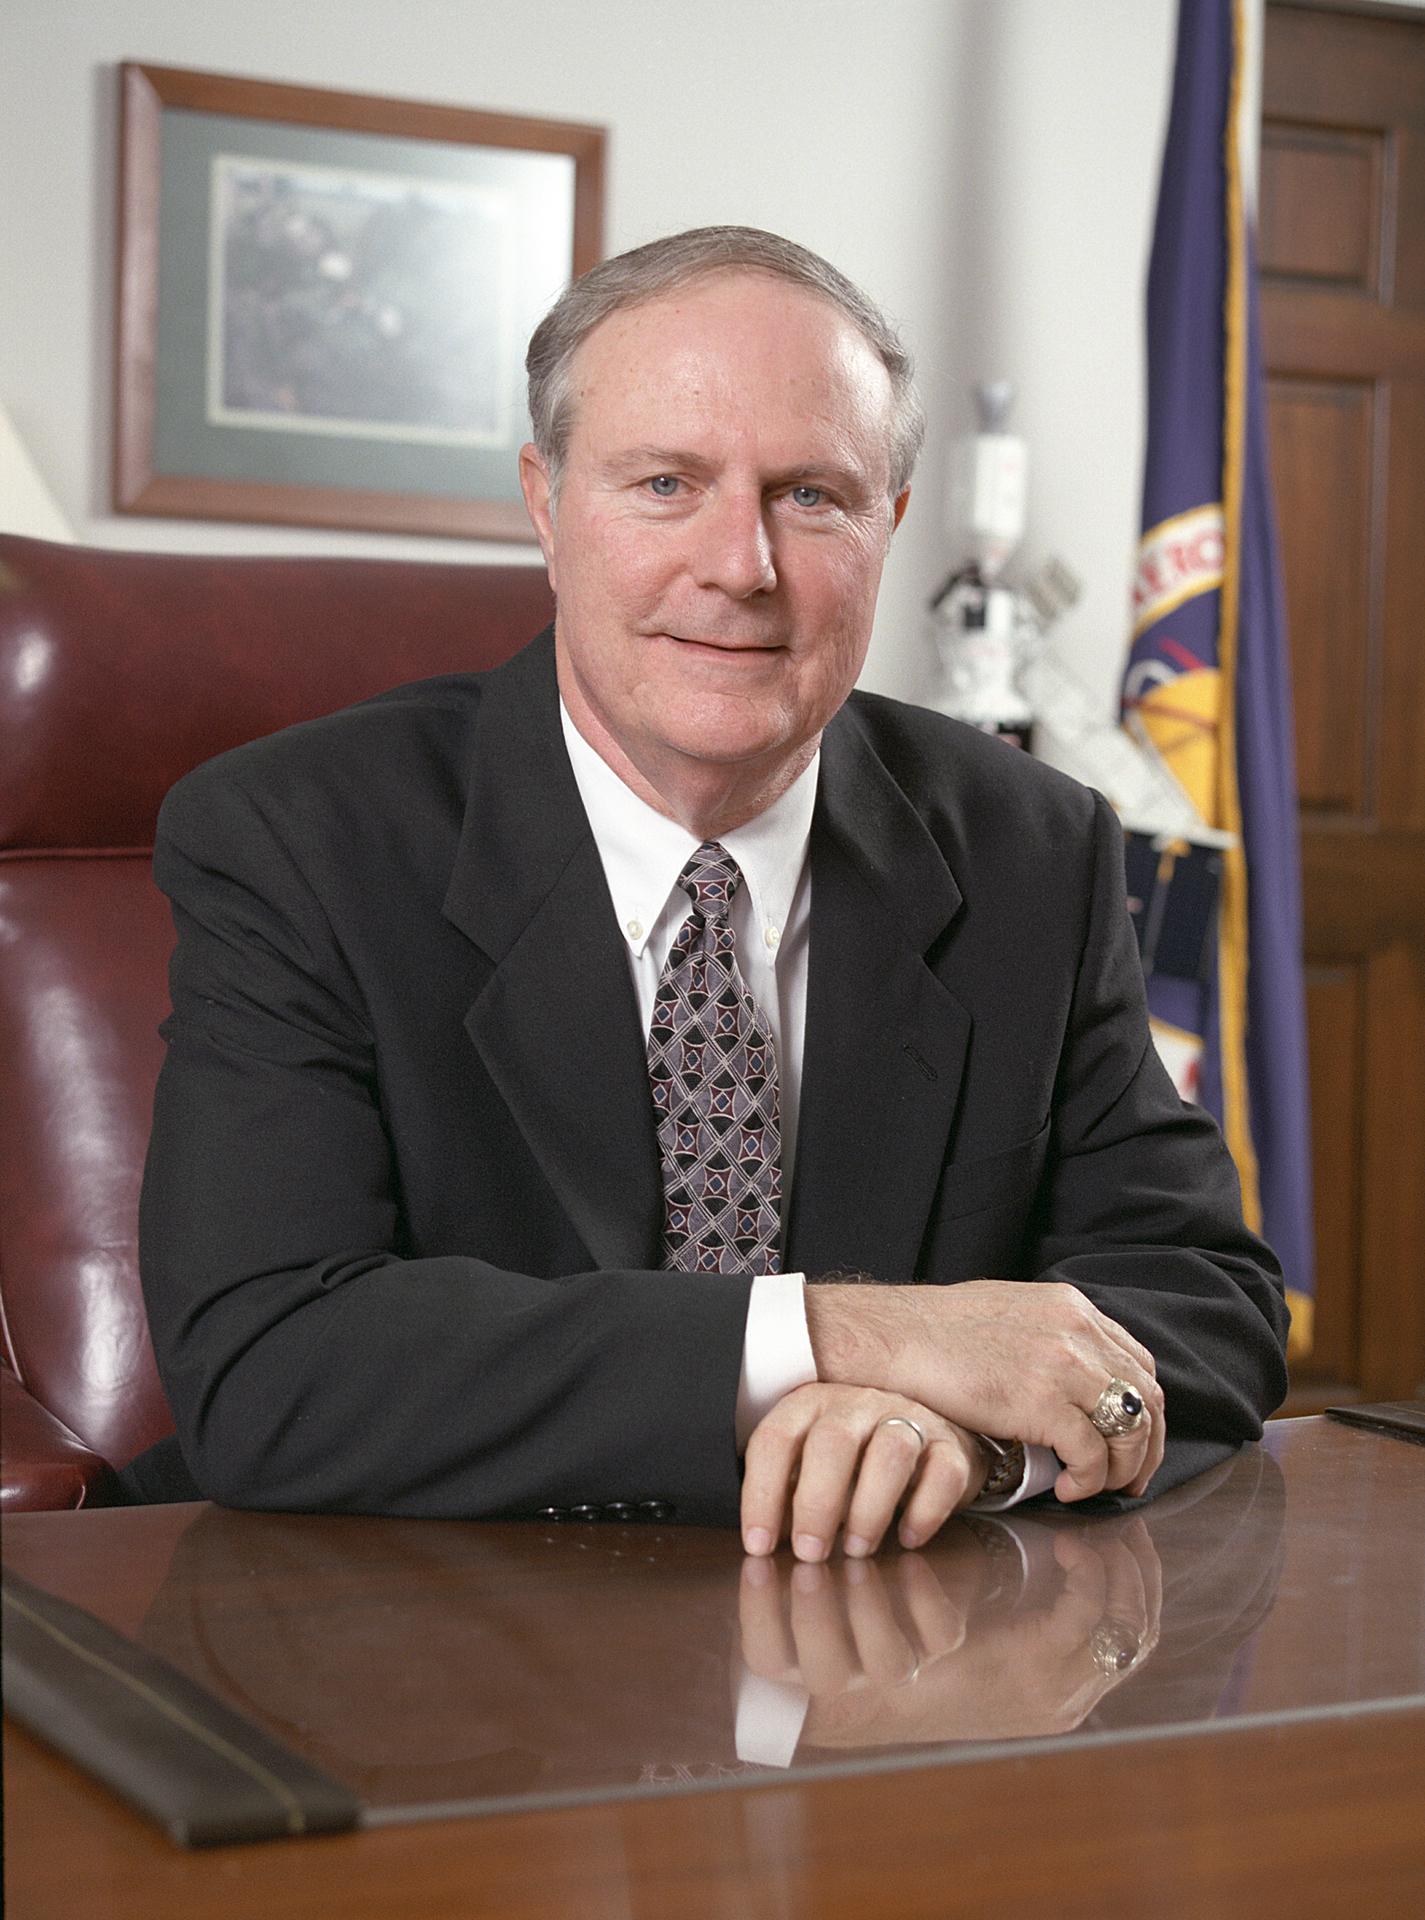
x=808, y=496
x=664, y=485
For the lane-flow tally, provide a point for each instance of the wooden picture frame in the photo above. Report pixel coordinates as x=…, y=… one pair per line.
x=324, y=299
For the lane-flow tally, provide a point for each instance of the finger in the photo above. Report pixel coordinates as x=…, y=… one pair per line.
x=763, y=1621
x=1134, y=1454
x=1137, y=1369
x=1156, y=1445
x=885, y=1650
x=1153, y=1459
x=1080, y=1605
x=768, y=1471
x=1139, y=1542
x=1124, y=1624
x=1092, y=1461
x=1127, y=1455
x=1124, y=1598
x=940, y=1488
x=967, y=1566
x=1084, y=1452
x=830, y=1455
x=939, y=1623
x=826, y=1654
x=891, y=1457
x=1145, y=1385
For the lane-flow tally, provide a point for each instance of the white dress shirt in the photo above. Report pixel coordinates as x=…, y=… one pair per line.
x=643, y=852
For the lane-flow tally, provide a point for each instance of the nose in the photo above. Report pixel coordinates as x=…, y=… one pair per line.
x=732, y=547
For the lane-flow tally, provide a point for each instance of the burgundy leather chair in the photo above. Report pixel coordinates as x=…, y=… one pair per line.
x=119, y=672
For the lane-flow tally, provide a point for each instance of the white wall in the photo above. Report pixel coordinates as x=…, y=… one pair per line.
x=986, y=167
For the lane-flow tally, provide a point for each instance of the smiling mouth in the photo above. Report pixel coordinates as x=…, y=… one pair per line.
x=759, y=648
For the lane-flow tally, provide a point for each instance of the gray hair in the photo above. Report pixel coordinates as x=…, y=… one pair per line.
x=664, y=266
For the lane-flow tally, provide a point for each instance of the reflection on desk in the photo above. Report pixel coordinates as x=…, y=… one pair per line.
x=434, y=1666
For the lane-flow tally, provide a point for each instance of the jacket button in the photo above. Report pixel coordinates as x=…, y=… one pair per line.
x=551, y=1513
x=656, y=1510
x=586, y=1512
x=621, y=1511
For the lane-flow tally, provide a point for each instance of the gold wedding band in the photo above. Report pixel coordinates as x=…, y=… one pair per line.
x=899, y=1420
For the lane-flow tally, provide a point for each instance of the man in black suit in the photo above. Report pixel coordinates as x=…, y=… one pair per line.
x=415, y=1238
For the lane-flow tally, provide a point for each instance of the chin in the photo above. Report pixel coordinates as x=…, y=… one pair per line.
x=703, y=733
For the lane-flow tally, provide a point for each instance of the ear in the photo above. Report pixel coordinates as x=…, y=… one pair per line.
x=534, y=484
x=902, y=501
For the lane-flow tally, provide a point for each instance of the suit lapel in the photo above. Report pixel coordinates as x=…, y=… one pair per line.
x=556, y=1023
x=885, y=1040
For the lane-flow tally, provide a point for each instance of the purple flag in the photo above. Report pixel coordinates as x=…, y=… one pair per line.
x=1207, y=680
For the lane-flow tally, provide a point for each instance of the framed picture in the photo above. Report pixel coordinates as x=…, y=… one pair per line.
x=324, y=301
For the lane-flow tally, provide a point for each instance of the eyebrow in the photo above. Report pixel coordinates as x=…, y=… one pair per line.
x=657, y=460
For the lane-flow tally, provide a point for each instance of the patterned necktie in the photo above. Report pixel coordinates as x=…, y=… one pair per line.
x=713, y=1070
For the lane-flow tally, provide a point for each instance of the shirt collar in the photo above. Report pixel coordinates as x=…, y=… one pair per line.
x=643, y=851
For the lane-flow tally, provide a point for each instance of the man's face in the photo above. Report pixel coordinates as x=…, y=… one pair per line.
x=721, y=526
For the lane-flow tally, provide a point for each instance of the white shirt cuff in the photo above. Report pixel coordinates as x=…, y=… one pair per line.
x=1041, y=1470
x=768, y=1719
x=777, y=1356
x=776, y=1348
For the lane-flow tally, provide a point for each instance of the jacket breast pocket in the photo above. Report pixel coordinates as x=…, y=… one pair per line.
x=981, y=1222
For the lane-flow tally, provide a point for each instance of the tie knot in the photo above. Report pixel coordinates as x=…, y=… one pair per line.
x=710, y=879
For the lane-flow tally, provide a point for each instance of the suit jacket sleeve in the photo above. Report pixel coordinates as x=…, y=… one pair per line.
x=314, y=1357
x=1141, y=1208
x=1012, y=1118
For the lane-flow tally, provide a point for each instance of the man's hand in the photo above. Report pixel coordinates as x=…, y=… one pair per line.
x=1024, y=1360
x=828, y=1450
x=916, y=1649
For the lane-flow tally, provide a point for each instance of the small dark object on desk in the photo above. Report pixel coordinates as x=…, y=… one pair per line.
x=1404, y=1418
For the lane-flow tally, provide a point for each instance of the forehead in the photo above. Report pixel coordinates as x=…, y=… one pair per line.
x=731, y=353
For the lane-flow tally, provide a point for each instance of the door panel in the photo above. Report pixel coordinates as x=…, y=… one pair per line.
x=1318, y=427
x=1342, y=224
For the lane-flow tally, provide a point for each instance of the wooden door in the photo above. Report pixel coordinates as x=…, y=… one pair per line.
x=1342, y=248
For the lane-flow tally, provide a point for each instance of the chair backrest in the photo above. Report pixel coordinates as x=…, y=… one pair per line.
x=118, y=673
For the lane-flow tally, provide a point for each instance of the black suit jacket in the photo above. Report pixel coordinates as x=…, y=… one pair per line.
x=401, y=1217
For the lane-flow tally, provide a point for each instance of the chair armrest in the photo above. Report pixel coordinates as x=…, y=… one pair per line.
x=42, y=1464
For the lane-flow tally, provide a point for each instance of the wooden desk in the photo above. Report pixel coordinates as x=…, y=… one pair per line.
x=970, y=1745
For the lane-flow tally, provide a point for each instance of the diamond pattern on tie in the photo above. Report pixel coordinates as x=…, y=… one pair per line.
x=713, y=1070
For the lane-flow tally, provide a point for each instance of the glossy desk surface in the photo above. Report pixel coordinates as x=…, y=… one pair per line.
x=1221, y=1698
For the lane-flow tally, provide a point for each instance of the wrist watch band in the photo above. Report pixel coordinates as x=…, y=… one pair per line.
x=1006, y=1464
